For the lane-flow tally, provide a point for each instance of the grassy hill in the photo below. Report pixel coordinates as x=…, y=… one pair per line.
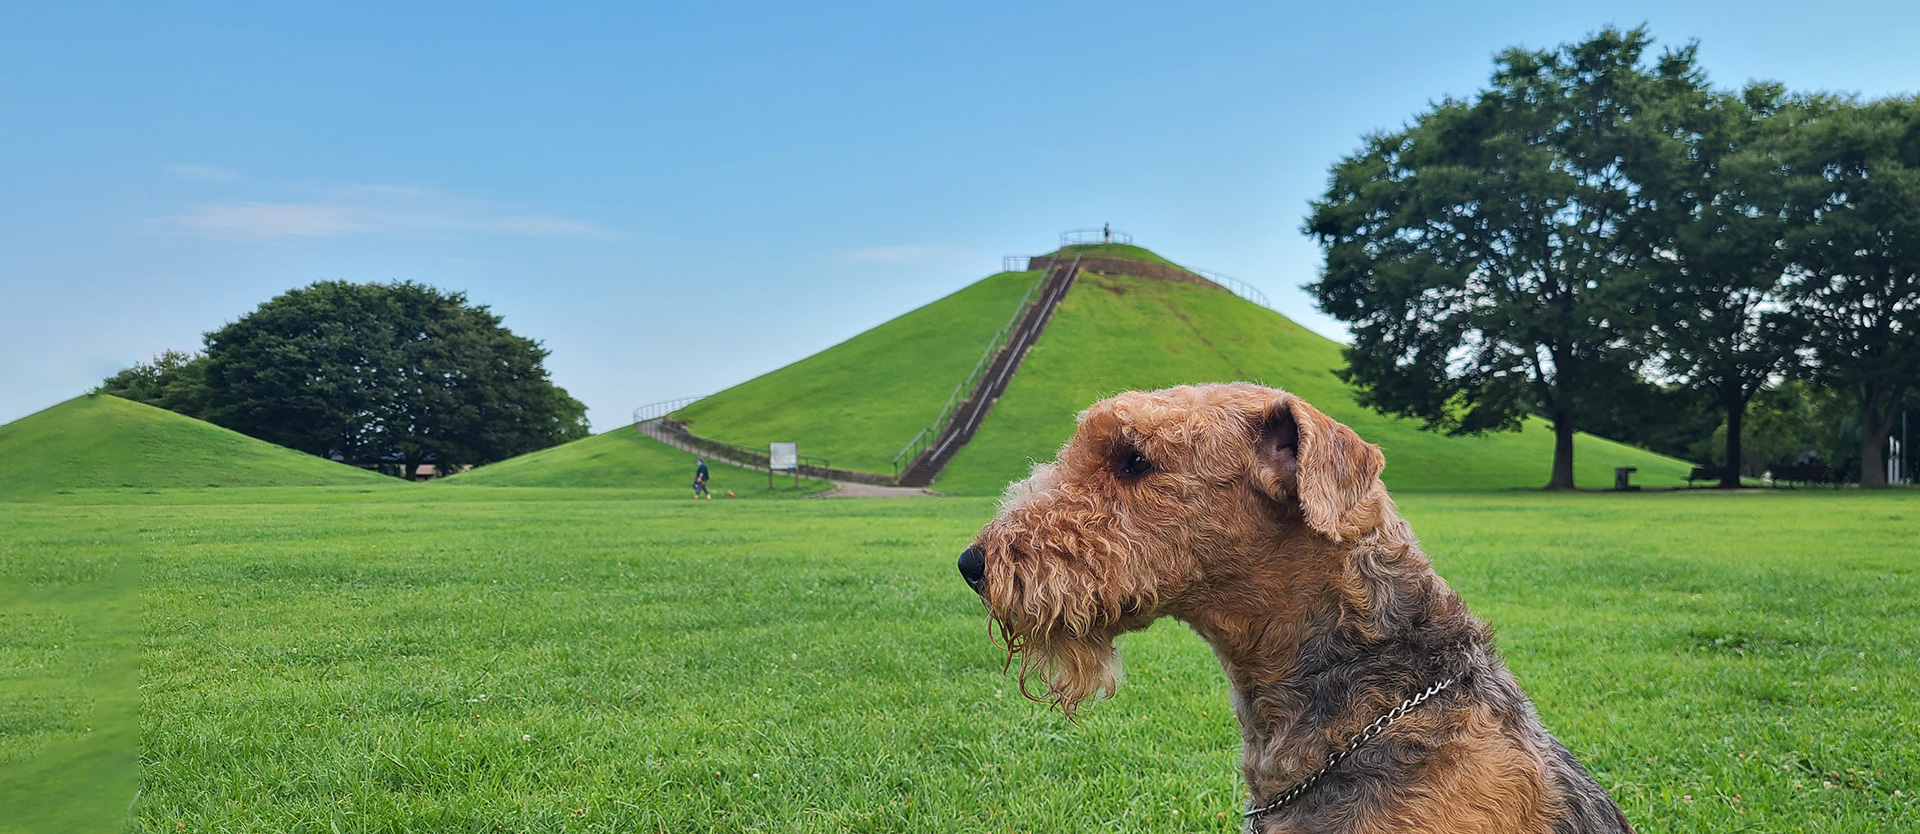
x=859, y=402
x=104, y=442
x=1114, y=333
x=624, y=458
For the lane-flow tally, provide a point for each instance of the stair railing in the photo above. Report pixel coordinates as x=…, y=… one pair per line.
x=964, y=388
x=657, y=410
x=980, y=406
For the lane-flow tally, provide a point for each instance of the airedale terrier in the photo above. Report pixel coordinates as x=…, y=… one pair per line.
x=1368, y=698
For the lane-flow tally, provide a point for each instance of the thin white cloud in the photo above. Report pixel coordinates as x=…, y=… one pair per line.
x=364, y=210
x=265, y=221
x=199, y=171
x=901, y=254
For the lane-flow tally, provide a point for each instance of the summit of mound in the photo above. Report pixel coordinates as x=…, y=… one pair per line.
x=100, y=441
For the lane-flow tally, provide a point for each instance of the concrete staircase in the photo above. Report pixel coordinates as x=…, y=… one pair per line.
x=971, y=411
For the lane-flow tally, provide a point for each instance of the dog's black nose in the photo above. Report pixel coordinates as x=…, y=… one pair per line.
x=973, y=568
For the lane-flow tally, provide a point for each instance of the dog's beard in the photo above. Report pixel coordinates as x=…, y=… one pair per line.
x=1071, y=670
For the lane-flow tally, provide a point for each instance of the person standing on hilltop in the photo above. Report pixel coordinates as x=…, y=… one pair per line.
x=1106, y=233
x=700, y=479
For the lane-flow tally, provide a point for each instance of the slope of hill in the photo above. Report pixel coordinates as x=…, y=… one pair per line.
x=858, y=402
x=100, y=441
x=623, y=458
x=1115, y=333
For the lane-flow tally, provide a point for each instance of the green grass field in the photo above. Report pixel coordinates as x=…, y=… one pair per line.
x=104, y=442
x=541, y=659
x=1112, y=250
x=859, y=402
x=626, y=459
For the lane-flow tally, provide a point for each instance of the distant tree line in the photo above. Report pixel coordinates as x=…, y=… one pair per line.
x=371, y=374
x=1603, y=239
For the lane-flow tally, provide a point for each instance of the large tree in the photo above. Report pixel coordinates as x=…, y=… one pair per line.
x=386, y=372
x=174, y=381
x=1481, y=254
x=1855, y=176
x=1716, y=215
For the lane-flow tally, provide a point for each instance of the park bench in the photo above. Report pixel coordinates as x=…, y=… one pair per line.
x=1706, y=473
x=1812, y=473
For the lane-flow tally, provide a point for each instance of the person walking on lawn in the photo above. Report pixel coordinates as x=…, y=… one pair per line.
x=700, y=479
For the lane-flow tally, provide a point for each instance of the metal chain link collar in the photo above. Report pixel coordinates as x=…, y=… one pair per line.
x=1334, y=758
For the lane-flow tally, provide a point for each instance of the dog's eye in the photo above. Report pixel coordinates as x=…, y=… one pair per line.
x=1132, y=465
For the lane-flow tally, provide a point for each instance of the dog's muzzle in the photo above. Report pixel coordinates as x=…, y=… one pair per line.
x=973, y=568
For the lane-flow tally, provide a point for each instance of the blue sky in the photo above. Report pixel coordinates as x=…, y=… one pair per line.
x=678, y=198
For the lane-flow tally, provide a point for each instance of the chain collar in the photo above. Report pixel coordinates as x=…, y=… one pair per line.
x=1333, y=759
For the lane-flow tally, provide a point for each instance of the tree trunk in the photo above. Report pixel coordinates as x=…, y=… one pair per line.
x=1874, y=428
x=1873, y=447
x=1562, y=452
x=1736, y=412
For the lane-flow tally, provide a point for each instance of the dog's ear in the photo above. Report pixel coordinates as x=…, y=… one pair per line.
x=1303, y=455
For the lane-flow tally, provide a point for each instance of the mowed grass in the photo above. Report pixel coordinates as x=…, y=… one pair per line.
x=434, y=660
x=99, y=441
x=859, y=402
x=1119, y=333
x=626, y=459
x=1111, y=250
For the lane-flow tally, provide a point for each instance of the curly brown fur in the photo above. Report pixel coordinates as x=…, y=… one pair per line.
x=1263, y=525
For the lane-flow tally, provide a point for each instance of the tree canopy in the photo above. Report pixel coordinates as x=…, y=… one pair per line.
x=370, y=373
x=1484, y=254
x=1598, y=237
x=1855, y=180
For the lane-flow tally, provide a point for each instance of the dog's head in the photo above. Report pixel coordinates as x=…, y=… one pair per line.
x=1158, y=496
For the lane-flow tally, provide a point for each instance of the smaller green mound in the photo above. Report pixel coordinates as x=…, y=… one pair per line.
x=1111, y=250
x=104, y=442
x=628, y=459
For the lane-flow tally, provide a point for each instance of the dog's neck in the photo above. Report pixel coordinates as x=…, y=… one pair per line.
x=1317, y=648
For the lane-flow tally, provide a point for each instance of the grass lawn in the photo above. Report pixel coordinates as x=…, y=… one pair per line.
x=628, y=460
x=1112, y=250
x=537, y=659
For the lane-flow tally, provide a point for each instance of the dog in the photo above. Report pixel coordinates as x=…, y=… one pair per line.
x=1369, y=699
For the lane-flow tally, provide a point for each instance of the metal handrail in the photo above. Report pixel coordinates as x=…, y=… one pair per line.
x=655, y=410
x=1083, y=237
x=978, y=411
x=740, y=453
x=965, y=386
x=1016, y=263
x=1233, y=285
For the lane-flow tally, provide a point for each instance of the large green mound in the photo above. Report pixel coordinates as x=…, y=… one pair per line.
x=857, y=403
x=1115, y=333
x=625, y=458
x=104, y=442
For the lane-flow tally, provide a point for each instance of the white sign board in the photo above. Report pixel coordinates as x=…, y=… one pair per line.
x=783, y=456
